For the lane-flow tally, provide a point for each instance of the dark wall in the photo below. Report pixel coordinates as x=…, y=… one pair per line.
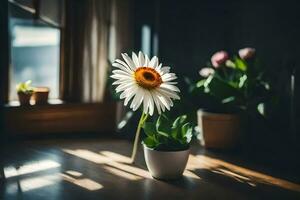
x=191, y=31
x=4, y=57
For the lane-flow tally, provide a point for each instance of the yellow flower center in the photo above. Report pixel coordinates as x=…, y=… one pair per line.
x=147, y=77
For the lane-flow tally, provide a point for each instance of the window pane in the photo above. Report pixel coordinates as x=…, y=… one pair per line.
x=35, y=50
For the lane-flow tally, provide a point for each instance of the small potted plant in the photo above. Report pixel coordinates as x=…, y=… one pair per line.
x=41, y=95
x=233, y=87
x=145, y=83
x=25, y=92
x=166, y=146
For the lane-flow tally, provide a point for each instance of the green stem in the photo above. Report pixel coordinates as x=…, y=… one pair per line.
x=137, y=136
x=225, y=73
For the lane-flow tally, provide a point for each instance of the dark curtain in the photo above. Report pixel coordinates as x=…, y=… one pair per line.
x=76, y=11
x=96, y=31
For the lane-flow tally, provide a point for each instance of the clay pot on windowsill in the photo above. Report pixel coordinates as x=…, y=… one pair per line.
x=41, y=95
x=24, y=98
x=219, y=130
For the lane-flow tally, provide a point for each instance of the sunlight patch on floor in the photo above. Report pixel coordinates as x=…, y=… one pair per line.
x=88, y=155
x=38, y=182
x=116, y=157
x=30, y=168
x=122, y=173
x=84, y=182
x=73, y=173
x=190, y=174
x=28, y=184
x=238, y=173
x=110, y=159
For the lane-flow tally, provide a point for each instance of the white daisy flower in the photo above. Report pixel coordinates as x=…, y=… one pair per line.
x=146, y=82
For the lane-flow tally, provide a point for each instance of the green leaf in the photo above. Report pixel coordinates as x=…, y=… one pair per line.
x=186, y=131
x=25, y=87
x=189, y=135
x=175, y=132
x=228, y=100
x=150, y=142
x=243, y=80
x=163, y=126
x=168, y=135
x=185, y=128
x=261, y=108
x=200, y=83
x=230, y=64
x=149, y=128
x=207, y=81
x=179, y=120
x=240, y=64
x=222, y=89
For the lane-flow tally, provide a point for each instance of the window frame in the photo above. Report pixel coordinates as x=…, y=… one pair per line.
x=61, y=27
x=95, y=115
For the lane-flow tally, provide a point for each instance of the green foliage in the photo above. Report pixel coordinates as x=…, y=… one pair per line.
x=240, y=64
x=25, y=87
x=167, y=135
x=238, y=85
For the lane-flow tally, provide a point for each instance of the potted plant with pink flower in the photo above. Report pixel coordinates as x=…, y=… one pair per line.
x=234, y=86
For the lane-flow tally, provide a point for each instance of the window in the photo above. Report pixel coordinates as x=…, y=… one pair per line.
x=35, y=32
x=35, y=53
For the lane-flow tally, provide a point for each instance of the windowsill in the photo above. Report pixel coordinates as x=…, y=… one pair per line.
x=16, y=103
x=59, y=117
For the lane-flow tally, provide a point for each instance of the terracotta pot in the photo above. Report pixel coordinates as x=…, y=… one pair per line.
x=219, y=131
x=41, y=95
x=166, y=165
x=24, y=98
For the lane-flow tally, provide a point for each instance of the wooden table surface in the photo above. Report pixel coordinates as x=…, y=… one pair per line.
x=100, y=169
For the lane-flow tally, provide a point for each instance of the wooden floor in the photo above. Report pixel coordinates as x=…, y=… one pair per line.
x=99, y=169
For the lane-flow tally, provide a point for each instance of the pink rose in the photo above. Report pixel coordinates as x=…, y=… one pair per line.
x=246, y=53
x=206, y=71
x=219, y=58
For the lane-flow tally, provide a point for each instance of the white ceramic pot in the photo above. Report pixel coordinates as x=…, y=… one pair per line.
x=219, y=131
x=166, y=165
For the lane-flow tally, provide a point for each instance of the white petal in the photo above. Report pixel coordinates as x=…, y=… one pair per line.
x=135, y=60
x=120, y=76
x=168, y=77
x=141, y=58
x=170, y=102
x=151, y=104
x=138, y=99
x=146, y=102
x=124, y=87
x=158, y=67
x=128, y=61
x=146, y=64
x=163, y=108
x=164, y=101
x=170, y=87
x=168, y=93
x=165, y=69
x=123, y=63
x=156, y=101
x=129, y=94
x=124, y=68
x=154, y=62
x=171, y=83
x=122, y=81
x=121, y=72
